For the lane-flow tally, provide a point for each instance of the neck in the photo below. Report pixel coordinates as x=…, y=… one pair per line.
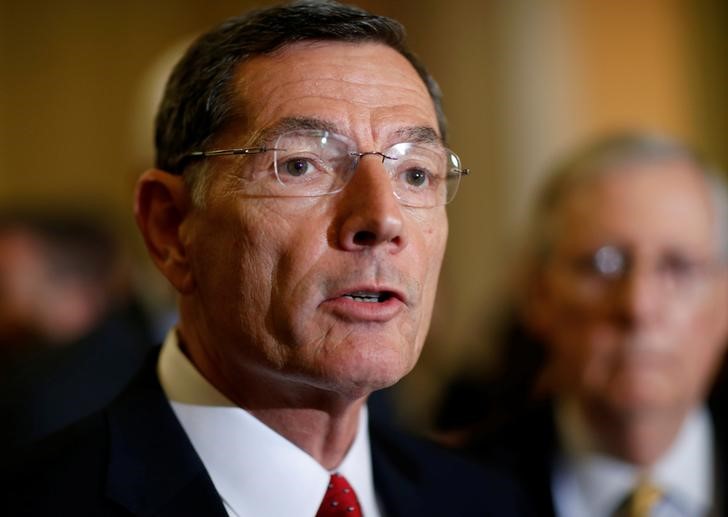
x=322, y=422
x=326, y=435
x=638, y=437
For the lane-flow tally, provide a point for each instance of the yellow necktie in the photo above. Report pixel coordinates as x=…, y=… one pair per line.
x=644, y=499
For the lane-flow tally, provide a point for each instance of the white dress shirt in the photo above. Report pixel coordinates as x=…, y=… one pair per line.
x=586, y=482
x=256, y=471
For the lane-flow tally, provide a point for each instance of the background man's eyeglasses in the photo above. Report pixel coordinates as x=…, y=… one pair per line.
x=600, y=273
x=311, y=163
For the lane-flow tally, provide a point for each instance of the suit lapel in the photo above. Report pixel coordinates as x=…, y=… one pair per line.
x=396, y=477
x=540, y=454
x=153, y=468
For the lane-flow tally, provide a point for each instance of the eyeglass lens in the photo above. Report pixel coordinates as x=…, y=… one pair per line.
x=610, y=265
x=315, y=163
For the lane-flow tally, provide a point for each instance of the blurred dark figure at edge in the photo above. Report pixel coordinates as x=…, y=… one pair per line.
x=605, y=391
x=72, y=333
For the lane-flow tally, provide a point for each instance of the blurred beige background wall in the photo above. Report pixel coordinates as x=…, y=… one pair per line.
x=523, y=79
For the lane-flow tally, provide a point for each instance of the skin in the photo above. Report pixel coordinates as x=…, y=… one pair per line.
x=263, y=316
x=22, y=271
x=636, y=356
x=37, y=304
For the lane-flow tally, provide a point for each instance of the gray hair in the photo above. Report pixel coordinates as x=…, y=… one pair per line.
x=603, y=157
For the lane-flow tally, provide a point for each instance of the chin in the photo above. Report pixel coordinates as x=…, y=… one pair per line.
x=360, y=378
x=377, y=376
x=643, y=398
x=349, y=388
x=357, y=363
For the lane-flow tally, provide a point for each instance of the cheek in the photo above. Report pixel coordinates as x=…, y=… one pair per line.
x=431, y=250
x=578, y=351
x=567, y=322
x=232, y=261
x=582, y=344
x=433, y=242
x=700, y=338
x=295, y=280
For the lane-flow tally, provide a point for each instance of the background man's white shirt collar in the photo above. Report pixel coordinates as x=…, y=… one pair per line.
x=586, y=482
x=255, y=470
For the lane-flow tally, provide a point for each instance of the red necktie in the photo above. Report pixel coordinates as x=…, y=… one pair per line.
x=339, y=500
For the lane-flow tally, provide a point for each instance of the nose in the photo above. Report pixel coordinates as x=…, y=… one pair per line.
x=370, y=215
x=641, y=297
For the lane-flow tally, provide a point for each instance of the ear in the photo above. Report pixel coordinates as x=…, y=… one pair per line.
x=537, y=316
x=161, y=205
x=721, y=305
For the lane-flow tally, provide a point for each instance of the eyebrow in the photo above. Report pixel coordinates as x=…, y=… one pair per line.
x=412, y=134
x=418, y=135
x=287, y=124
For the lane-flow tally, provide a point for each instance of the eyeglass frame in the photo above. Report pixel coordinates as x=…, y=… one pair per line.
x=458, y=172
x=597, y=274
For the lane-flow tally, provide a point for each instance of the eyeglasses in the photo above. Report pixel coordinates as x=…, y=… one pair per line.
x=595, y=275
x=311, y=163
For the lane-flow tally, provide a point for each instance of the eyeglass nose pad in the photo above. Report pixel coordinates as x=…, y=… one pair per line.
x=350, y=168
x=356, y=159
x=385, y=157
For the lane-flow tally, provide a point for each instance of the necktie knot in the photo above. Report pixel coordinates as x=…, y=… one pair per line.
x=339, y=499
x=641, y=501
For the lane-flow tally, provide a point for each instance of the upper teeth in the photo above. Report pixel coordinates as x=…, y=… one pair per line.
x=362, y=296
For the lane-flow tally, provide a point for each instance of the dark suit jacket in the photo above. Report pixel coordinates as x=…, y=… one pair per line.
x=526, y=445
x=134, y=458
x=47, y=390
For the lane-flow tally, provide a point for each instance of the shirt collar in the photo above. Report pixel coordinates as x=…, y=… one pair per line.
x=251, y=465
x=684, y=472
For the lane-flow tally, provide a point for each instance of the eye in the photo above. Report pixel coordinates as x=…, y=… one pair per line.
x=297, y=166
x=415, y=177
x=679, y=267
x=584, y=265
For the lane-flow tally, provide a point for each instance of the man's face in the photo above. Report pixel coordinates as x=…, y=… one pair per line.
x=648, y=339
x=274, y=277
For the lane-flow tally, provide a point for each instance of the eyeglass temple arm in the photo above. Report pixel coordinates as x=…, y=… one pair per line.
x=221, y=152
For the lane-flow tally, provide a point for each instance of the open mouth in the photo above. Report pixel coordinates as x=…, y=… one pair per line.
x=370, y=296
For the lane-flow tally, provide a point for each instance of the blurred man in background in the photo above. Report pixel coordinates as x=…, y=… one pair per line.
x=72, y=332
x=58, y=276
x=628, y=295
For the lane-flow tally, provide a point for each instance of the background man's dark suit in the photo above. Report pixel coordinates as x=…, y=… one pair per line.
x=134, y=458
x=527, y=444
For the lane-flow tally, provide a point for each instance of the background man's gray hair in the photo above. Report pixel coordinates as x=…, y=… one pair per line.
x=607, y=155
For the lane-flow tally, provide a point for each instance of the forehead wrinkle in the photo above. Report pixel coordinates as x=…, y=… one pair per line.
x=355, y=72
x=344, y=80
x=329, y=85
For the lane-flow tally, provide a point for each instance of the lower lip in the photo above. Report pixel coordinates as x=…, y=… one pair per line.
x=353, y=310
